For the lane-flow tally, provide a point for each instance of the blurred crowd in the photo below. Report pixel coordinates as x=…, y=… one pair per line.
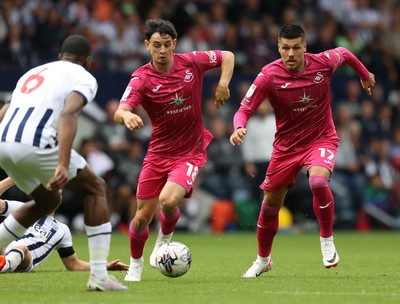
x=368, y=162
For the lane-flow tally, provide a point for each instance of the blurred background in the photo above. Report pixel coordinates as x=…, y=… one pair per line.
x=227, y=198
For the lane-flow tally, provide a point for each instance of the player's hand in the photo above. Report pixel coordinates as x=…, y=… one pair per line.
x=250, y=169
x=222, y=94
x=59, y=179
x=132, y=121
x=117, y=265
x=369, y=83
x=237, y=136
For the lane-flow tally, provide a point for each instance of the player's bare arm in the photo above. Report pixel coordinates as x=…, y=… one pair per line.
x=369, y=83
x=6, y=184
x=67, y=127
x=222, y=92
x=72, y=263
x=117, y=265
x=3, y=111
x=124, y=116
x=237, y=136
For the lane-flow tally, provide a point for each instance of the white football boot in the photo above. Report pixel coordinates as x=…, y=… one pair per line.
x=330, y=257
x=134, y=273
x=258, y=268
x=109, y=283
x=161, y=240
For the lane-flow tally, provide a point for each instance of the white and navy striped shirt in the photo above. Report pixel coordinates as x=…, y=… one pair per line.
x=43, y=237
x=38, y=100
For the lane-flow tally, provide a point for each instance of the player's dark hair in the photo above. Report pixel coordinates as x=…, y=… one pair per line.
x=291, y=31
x=164, y=27
x=76, y=45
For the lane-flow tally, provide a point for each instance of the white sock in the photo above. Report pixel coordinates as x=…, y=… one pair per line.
x=10, y=206
x=264, y=260
x=99, y=238
x=10, y=230
x=162, y=236
x=137, y=261
x=14, y=258
x=328, y=239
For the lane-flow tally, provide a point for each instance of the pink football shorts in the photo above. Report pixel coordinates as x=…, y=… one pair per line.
x=286, y=165
x=156, y=171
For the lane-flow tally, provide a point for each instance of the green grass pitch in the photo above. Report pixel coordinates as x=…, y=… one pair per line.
x=369, y=272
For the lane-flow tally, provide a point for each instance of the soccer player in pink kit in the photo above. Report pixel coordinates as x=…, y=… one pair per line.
x=170, y=90
x=298, y=88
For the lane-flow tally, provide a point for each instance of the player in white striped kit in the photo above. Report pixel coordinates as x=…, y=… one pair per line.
x=39, y=241
x=36, y=136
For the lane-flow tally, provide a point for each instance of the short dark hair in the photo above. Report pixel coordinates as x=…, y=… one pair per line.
x=291, y=31
x=77, y=45
x=164, y=27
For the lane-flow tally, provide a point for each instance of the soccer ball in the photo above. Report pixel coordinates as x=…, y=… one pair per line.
x=173, y=259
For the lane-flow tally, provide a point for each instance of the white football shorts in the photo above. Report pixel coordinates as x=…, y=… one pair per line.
x=31, y=166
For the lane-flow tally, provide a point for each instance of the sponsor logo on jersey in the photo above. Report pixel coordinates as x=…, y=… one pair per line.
x=212, y=56
x=177, y=100
x=284, y=86
x=319, y=78
x=305, y=99
x=126, y=93
x=327, y=55
x=250, y=91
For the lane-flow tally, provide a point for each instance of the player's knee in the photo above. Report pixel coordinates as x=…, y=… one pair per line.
x=318, y=181
x=23, y=248
x=88, y=183
x=96, y=187
x=141, y=221
x=168, y=205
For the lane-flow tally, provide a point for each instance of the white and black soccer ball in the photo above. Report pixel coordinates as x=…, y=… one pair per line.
x=173, y=259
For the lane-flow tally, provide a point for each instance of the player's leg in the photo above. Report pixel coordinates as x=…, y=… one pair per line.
x=181, y=178
x=97, y=225
x=323, y=205
x=171, y=196
x=14, y=255
x=267, y=228
x=23, y=165
x=320, y=163
x=152, y=179
x=8, y=206
x=281, y=174
x=17, y=258
x=138, y=234
x=16, y=223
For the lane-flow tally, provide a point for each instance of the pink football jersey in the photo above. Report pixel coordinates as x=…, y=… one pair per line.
x=301, y=101
x=173, y=102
